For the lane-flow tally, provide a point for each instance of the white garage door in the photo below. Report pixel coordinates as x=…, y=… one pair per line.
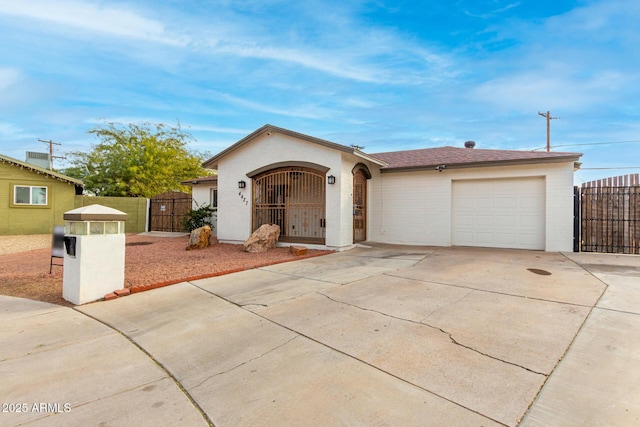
x=499, y=213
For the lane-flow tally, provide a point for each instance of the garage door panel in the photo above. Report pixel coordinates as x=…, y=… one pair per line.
x=506, y=238
x=529, y=221
x=464, y=238
x=484, y=237
x=484, y=203
x=530, y=202
x=507, y=220
x=505, y=213
x=485, y=220
x=506, y=203
x=464, y=220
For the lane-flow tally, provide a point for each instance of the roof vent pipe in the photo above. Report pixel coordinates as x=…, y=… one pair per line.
x=469, y=144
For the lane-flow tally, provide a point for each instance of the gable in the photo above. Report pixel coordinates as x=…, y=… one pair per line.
x=268, y=131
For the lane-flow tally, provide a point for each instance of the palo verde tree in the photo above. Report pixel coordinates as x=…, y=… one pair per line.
x=136, y=160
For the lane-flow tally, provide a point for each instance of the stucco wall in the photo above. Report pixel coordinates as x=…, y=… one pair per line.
x=16, y=220
x=235, y=205
x=136, y=208
x=201, y=194
x=415, y=207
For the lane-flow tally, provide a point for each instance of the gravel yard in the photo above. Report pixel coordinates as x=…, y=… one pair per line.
x=24, y=263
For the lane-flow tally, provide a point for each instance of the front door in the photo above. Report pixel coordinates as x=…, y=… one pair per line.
x=359, y=206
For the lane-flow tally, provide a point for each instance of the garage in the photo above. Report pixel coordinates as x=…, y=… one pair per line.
x=499, y=213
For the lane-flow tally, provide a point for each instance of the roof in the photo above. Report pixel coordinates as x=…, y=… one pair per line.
x=426, y=158
x=466, y=157
x=212, y=163
x=39, y=170
x=200, y=180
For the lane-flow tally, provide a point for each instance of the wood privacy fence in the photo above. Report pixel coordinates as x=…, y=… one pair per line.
x=166, y=211
x=609, y=215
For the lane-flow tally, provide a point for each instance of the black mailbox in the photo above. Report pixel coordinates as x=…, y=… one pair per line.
x=70, y=245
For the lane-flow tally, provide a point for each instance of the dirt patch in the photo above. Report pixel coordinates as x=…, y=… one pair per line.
x=148, y=260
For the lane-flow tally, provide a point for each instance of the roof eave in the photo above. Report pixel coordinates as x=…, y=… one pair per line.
x=40, y=170
x=481, y=164
x=370, y=158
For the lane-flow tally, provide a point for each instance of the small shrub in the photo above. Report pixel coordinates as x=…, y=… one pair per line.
x=197, y=218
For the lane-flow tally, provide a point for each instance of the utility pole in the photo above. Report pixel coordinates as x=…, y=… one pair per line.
x=549, y=118
x=51, y=156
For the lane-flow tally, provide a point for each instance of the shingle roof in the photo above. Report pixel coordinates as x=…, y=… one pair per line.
x=466, y=157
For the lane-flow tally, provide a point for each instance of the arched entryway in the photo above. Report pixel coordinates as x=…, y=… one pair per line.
x=294, y=198
x=360, y=175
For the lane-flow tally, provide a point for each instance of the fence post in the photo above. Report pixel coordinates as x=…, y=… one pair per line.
x=576, y=219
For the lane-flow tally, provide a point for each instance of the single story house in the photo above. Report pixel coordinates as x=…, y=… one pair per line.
x=327, y=194
x=32, y=198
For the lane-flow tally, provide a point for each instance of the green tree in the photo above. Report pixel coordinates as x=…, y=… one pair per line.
x=136, y=160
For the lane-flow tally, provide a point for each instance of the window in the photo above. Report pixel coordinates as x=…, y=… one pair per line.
x=30, y=195
x=213, y=198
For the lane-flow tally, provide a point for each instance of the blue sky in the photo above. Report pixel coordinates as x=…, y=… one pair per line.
x=386, y=75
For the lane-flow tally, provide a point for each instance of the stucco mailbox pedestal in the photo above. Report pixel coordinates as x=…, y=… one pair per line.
x=94, y=253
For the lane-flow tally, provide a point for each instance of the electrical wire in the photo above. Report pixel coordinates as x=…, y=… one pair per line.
x=591, y=143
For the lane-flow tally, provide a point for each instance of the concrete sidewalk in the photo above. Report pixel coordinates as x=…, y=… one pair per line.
x=386, y=335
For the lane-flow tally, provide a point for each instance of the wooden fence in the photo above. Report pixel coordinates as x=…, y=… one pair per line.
x=610, y=215
x=166, y=211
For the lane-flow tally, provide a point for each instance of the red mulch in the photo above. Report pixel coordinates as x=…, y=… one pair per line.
x=148, y=260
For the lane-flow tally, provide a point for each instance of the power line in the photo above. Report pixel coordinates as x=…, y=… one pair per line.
x=592, y=143
x=622, y=167
x=598, y=143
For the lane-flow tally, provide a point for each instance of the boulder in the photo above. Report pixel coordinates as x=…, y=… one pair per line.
x=263, y=239
x=199, y=238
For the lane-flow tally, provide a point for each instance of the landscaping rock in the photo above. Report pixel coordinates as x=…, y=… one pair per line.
x=199, y=238
x=263, y=239
x=298, y=250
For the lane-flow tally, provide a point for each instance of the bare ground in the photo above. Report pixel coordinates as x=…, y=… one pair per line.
x=24, y=263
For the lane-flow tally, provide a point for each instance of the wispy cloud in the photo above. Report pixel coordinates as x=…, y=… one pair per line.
x=492, y=12
x=111, y=20
x=308, y=111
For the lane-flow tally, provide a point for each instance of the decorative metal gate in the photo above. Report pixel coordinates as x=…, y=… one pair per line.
x=610, y=215
x=294, y=199
x=166, y=211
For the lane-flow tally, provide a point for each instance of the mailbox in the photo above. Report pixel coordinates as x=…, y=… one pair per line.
x=70, y=245
x=94, y=253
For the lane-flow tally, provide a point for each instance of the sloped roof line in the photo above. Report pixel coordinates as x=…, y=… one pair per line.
x=213, y=161
x=39, y=170
x=418, y=158
x=467, y=157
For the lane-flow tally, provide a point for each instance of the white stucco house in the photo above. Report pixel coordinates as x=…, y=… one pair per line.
x=331, y=195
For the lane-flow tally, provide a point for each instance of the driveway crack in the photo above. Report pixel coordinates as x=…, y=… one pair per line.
x=422, y=323
x=239, y=365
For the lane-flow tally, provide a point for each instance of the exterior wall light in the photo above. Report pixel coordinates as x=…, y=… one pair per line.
x=242, y=184
x=331, y=179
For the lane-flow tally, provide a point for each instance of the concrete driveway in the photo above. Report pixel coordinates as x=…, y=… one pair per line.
x=382, y=335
